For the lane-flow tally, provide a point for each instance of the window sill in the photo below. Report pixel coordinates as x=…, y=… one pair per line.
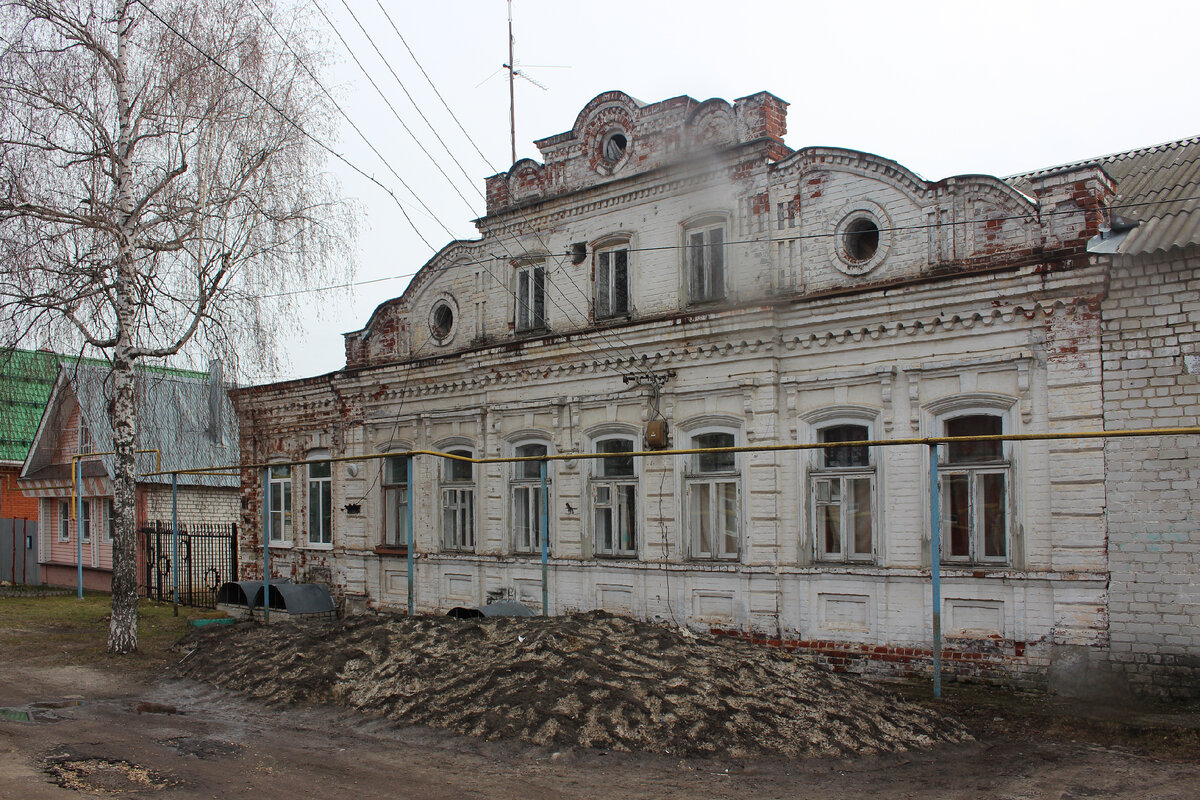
x=387, y=550
x=318, y=546
x=615, y=556
x=280, y=545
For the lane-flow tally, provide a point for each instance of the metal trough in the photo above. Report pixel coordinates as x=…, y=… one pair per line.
x=293, y=599
x=505, y=608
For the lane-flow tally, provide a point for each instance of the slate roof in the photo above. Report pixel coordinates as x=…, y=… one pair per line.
x=183, y=415
x=1158, y=187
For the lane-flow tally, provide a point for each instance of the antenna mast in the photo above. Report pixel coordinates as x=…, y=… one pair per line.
x=512, y=74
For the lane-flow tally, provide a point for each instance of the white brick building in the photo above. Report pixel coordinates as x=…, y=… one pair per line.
x=677, y=261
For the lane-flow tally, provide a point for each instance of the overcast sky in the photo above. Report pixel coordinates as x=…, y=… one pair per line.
x=944, y=88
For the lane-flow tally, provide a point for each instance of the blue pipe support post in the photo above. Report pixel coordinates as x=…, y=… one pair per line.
x=935, y=562
x=175, y=541
x=266, y=543
x=77, y=478
x=408, y=523
x=545, y=512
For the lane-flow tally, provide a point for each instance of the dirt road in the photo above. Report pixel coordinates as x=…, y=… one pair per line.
x=101, y=722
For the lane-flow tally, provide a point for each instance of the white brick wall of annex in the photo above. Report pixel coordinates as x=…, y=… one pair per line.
x=1152, y=379
x=854, y=293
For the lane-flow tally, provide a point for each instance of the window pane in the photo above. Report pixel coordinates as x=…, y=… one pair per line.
x=523, y=300
x=620, y=290
x=975, y=425
x=696, y=269
x=281, y=471
x=956, y=510
x=530, y=470
x=627, y=516
x=715, y=462
x=395, y=514
x=458, y=471
x=858, y=509
x=857, y=456
x=395, y=470
x=994, y=511
x=539, y=297
x=604, y=529
x=319, y=470
x=603, y=277
x=615, y=467
x=829, y=522
x=716, y=257
x=728, y=500
x=700, y=514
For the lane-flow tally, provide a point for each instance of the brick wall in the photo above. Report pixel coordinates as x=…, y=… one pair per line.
x=13, y=502
x=1151, y=349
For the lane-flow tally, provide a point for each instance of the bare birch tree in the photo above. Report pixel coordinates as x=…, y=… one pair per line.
x=160, y=173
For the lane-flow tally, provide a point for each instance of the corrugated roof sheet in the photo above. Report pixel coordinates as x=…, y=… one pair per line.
x=185, y=416
x=26, y=379
x=1157, y=186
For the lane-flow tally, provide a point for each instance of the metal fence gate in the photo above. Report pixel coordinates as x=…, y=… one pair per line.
x=18, y=551
x=207, y=558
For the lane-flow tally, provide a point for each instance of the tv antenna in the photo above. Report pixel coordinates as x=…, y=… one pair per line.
x=515, y=72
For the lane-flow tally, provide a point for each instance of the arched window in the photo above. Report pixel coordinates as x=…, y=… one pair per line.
x=975, y=479
x=458, y=502
x=614, y=498
x=613, y=285
x=395, y=501
x=711, y=489
x=528, y=500
x=279, y=517
x=842, y=493
x=704, y=250
x=320, y=499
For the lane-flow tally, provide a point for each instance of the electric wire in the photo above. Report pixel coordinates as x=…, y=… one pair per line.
x=282, y=115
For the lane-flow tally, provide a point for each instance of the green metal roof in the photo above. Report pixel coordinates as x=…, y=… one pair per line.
x=26, y=378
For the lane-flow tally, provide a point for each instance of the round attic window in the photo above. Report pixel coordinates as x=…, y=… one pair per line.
x=613, y=148
x=441, y=320
x=861, y=241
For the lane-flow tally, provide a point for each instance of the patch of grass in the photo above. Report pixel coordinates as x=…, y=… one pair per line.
x=69, y=630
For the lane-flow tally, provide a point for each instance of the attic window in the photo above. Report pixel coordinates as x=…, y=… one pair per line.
x=613, y=148
x=860, y=241
x=441, y=321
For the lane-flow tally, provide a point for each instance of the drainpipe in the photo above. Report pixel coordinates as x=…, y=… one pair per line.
x=408, y=515
x=175, y=541
x=77, y=480
x=935, y=572
x=266, y=535
x=545, y=543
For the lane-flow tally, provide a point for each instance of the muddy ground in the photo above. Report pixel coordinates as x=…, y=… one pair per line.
x=127, y=727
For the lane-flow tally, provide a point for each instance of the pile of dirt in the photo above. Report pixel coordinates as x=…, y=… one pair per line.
x=583, y=680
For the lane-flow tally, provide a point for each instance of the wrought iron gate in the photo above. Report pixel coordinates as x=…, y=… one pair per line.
x=207, y=558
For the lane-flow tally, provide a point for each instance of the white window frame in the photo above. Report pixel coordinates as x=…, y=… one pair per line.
x=86, y=523
x=529, y=287
x=108, y=521
x=279, y=515
x=84, y=444
x=605, y=293
x=64, y=520
x=525, y=498
x=394, y=533
x=320, y=502
x=715, y=482
x=614, y=499
x=820, y=474
x=457, y=502
x=975, y=472
x=703, y=257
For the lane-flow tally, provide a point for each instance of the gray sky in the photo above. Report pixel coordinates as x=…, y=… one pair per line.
x=945, y=88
